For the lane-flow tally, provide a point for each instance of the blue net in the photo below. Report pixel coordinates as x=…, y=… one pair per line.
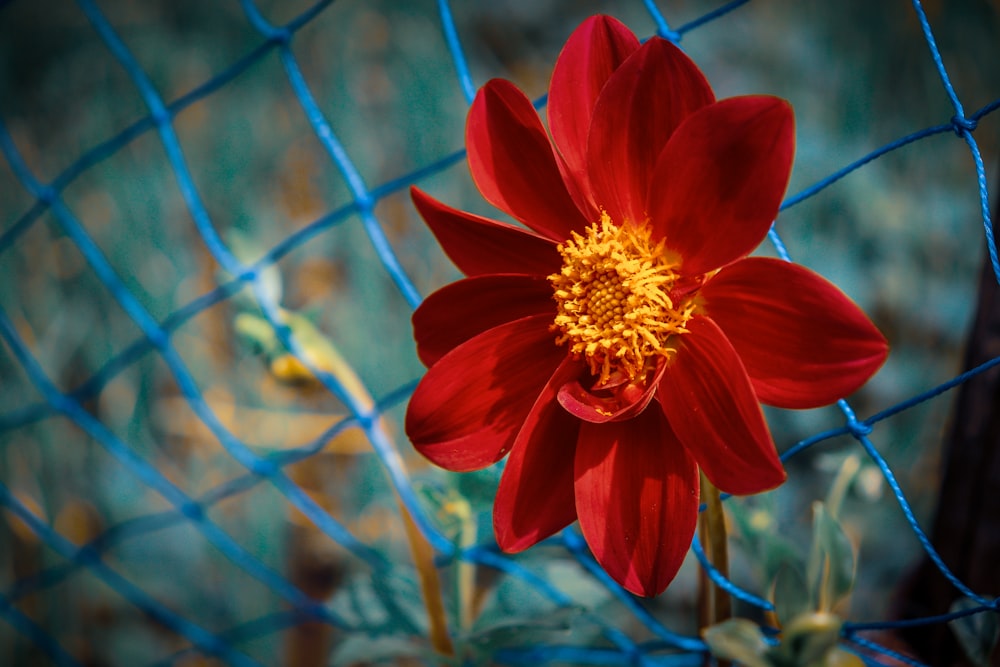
x=209, y=260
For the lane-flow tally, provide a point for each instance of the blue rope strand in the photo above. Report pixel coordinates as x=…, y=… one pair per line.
x=162, y=118
x=150, y=523
x=143, y=344
x=455, y=48
x=160, y=340
x=108, y=148
x=911, y=519
x=572, y=655
x=251, y=630
x=984, y=200
x=324, y=132
x=161, y=115
x=490, y=558
x=578, y=547
x=985, y=110
x=152, y=478
x=383, y=447
x=851, y=628
x=802, y=445
x=711, y=16
x=38, y=636
x=387, y=453
x=885, y=652
x=206, y=641
x=933, y=392
x=725, y=584
x=879, y=152
x=662, y=27
x=925, y=26
x=214, y=243
x=359, y=191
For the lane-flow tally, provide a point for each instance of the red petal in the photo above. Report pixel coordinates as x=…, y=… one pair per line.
x=720, y=179
x=710, y=404
x=478, y=245
x=535, y=497
x=637, y=499
x=594, y=50
x=512, y=162
x=615, y=401
x=803, y=342
x=466, y=308
x=468, y=408
x=638, y=109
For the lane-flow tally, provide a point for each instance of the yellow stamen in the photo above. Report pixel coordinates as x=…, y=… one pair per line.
x=615, y=308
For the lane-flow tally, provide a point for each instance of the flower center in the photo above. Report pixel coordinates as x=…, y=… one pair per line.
x=618, y=299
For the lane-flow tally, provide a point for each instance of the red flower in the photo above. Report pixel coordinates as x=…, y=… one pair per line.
x=627, y=339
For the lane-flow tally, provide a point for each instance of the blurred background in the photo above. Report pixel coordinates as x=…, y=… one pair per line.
x=903, y=236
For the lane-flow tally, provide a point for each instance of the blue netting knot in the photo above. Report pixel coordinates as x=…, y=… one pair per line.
x=280, y=36
x=248, y=276
x=158, y=338
x=672, y=35
x=63, y=404
x=365, y=201
x=48, y=195
x=159, y=114
x=193, y=511
x=857, y=428
x=961, y=124
x=87, y=555
x=263, y=468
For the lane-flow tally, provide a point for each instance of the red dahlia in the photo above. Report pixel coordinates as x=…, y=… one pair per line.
x=626, y=340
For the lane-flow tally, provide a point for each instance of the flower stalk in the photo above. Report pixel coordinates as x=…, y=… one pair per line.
x=420, y=549
x=323, y=355
x=714, y=604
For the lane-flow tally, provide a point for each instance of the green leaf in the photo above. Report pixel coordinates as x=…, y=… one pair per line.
x=976, y=633
x=789, y=593
x=808, y=640
x=390, y=602
x=365, y=649
x=537, y=629
x=258, y=332
x=737, y=639
x=830, y=572
x=757, y=534
x=838, y=657
x=779, y=553
x=841, y=483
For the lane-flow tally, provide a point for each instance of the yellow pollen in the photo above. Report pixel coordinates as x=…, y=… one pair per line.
x=614, y=299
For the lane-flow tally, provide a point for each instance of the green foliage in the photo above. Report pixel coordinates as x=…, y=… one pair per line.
x=809, y=641
x=375, y=650
x=830, y=572
x=787, y=592
x=540, y=628
x=738, y=639
x=801, y=601
x=758, y=532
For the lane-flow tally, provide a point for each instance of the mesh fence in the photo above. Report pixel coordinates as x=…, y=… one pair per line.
x=209, y=261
